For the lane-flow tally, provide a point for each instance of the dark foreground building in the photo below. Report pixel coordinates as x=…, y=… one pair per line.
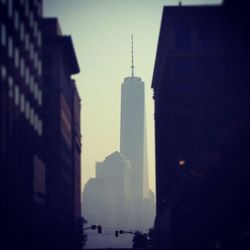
x=62, y=136
x=39, y=132
x=22, y=163
x=201, y=91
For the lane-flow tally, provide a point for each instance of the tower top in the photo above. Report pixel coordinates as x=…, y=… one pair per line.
x=132, y=55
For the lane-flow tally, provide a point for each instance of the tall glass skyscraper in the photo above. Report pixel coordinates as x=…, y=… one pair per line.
x=133, y=138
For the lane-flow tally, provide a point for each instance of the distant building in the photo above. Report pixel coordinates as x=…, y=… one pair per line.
x=133, y=142
x=106, y=201
x=201, y=92
x=62, y=136
x=23, y=169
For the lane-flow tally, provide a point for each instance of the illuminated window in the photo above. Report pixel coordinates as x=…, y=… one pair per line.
x=31, y=116
x=3, y=34
x=10, y=47
x=32, y=84
x=16, y=57
x=16, y=19
x=36, y=122
x=16, y=95
x=40, y=98
x=3, y=72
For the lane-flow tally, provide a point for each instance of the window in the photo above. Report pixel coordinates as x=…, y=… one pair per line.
x=35, y=59
x=22, y=102
x=32, y=84
x=31, y=116
x=3, y=34
x=16, y=20
x=16, y=57
x=27, y=76
x=36, y=122
x=10, y=8
x=39, y=9
x=22, y=66
x=16, y=95
x=27, y=41
x=3, y=72
x=40, y=127
x=31, y=19
x=39, y=38
x=35, y=28
x=26, y=8
x=27, y=110
x=39, y=68
x=39, y=180
x=40, y=97
x=35, y=90
x=10, y=84
x=31, y=51
x=10, y=47
x=22, y=32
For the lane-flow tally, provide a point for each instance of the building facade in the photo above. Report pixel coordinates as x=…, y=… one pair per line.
x=201, y=93
x=23, y=167
x=62, y=136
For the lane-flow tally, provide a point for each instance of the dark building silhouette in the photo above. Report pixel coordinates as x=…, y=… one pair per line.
x=201, y=92
x=62, y=135
x=22, y=164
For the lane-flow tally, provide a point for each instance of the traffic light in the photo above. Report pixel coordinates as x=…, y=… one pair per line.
x=93, y=227
x=99, y=229
x=116, y=233
x=121, y=232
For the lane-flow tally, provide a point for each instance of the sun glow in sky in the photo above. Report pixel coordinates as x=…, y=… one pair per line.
x=101, y=31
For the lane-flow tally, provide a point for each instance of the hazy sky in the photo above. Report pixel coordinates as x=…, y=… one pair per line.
x=101, y=32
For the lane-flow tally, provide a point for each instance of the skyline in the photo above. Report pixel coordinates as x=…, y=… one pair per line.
x=101, y=32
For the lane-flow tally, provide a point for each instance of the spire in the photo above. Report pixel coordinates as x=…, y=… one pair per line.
x=132, y=54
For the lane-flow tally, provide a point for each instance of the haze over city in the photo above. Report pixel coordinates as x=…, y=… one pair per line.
x=101, y=31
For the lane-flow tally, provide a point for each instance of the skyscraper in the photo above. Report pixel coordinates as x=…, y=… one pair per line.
x=133, y=137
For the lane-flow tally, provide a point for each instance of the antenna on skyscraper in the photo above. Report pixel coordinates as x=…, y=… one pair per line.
x=132, y=54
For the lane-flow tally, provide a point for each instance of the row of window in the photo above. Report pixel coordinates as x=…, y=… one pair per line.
x=26, y=5
x=28, y=46
x=23, y=104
